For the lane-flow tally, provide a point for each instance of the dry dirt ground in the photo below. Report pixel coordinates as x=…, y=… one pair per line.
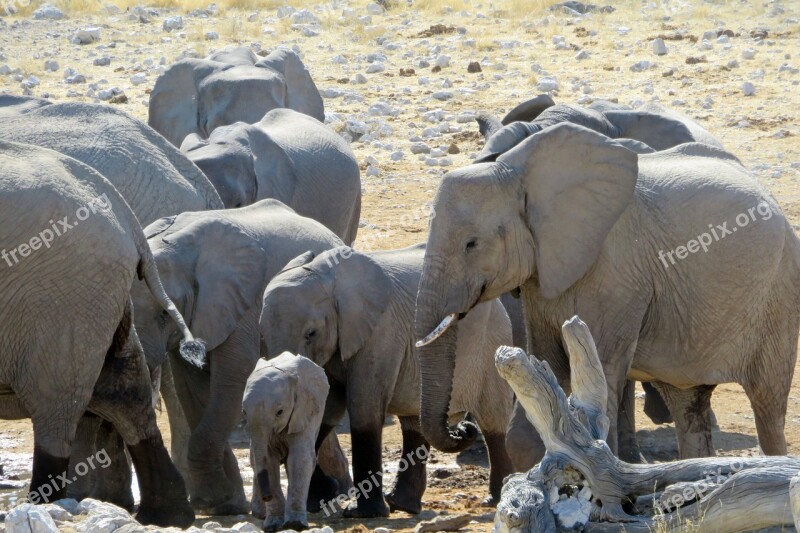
x=521, y=46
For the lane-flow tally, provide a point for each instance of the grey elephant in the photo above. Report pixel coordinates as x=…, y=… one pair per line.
x=288, y=156
x=157, y=181
x=215, y=265
x=352, y=314
x=232, y=85
x=67, y=321
x=284, y=402
x=584, y=226
x=649, y=128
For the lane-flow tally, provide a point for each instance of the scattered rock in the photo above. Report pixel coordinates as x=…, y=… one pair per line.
x=442, y=95
x=748, y=89
x=212, y=36
x=748, y=53
x=103, y=61
x=547, y=84
x=304, y=16
x=659, y=47
x=139, y=78
x=75, y=78
x=453, y=149
x=173, y=23
x=29, y=518
x=442, y=61
x=48, y=12
x=583, y=54
x=86, y=36
x=667, y=73
x=444, y=523
x=436, y=29
x=641, y=66
x=51, y=66
x=407, y=72
x=420, y=148
x=373, y=171
x=376, y=67
x=691, y=60
x=474, y=67
x=139, y=14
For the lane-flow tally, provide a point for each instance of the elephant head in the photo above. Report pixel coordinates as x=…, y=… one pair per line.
x=199, y=95
x=324, y=306
x=539, y=216
x=283, y=403
x=212, y=271
x=243, y=162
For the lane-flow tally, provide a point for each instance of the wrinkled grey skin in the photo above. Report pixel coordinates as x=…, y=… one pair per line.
x=582, y=236
x=283, y=403
x=156, y=180
x=215, y=265
x=232, y=85
x=353, y=314
x=288, y=156
x=154, y=177
x=66, y=319
x=656, y=127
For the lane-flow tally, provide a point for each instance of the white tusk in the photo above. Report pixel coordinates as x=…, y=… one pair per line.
x=437, y=331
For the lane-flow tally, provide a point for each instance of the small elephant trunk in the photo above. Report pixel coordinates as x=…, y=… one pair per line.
x=262, y=478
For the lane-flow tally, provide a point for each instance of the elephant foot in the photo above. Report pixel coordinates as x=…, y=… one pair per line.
x=489, y=501
x=234, y=506
x=404, y=502
x=178, y=514
x=274, y=523
x=323, y=489
x=368, y=508
x=296, y=525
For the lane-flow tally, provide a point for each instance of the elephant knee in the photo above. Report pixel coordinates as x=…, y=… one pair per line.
x=521, y=449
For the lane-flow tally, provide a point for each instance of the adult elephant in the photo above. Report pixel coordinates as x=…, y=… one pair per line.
x=67, y=322
x=287, y=156
x=215, y=266
x=232, y=85
x=584, y=226
x=156, y=180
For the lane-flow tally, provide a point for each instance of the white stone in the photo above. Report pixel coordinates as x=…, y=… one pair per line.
x=245, y=527
x=659, y=46
x=48, y=12
x=376, y=67
x=212, y=36
x=442, y=95
x=75, y=78
x=86, y=36
x=397, y=156
x=641, y=66
x=748, y=89
x=70, y=505
x=748, y=53
x=29, y=518
x=374, y=9
x=173, y=23
x=51, y=66
x=420, y=148
x=139, y=78
x=285, y=11
x=373, y=171
x=547, y=84
x=572, y=512
x=339, y=60
x=304, y=16
x=442, y=61
x=360, y=78
x=103, y=61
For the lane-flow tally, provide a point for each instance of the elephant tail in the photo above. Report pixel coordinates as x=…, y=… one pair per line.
x=192, y=350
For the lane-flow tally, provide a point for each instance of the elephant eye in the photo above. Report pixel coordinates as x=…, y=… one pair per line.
x=310, y=334
x=471, y=244
x=279, y=413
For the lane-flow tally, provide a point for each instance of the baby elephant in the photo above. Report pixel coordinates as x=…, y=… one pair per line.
x=283, y=403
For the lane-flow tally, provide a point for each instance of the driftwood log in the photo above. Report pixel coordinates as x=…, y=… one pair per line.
x=581, y=485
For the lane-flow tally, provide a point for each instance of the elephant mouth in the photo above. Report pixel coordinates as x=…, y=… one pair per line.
x=448, y=322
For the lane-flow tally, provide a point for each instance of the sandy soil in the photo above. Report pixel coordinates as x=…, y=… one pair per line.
x=516, y=44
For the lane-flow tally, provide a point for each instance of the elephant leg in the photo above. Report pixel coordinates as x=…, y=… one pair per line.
x=334, y=463
x=123, y=396
x=654, y=405
x=82, y=447
x=412, y=475
x=523, y=444
x=113, y=482
x=366, y=427
x=769, y=399
x=628, y=449
x=178, y=426
x=324, y=488
x=691, y=410
x=299, y=467
x=500, y=464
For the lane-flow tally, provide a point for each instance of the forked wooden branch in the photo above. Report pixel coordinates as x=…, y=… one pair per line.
x=580, y=482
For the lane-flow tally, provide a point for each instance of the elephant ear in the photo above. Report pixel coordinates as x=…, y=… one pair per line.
x=301, y=93
x=229, y=277
x=505, y=139
x=301, y=260
x=274, y=170
x=193, y=141
x=173, y=102
x=577, y=184
x=311, y=392
x=362, y=292
x=656, y=130
x=528, y=111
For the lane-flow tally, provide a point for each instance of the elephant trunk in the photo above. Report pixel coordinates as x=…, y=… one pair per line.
x=262, y=478
x=437, y=365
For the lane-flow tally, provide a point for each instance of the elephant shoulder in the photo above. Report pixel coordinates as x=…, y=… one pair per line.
x=13, y=105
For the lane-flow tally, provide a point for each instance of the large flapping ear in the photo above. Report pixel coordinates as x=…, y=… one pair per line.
x=505, y=139
x=173, y=102
x=228, y=278
x=488, y=125
x=301, y=93
x=301, y=260
x=193, y=141
x=658, y=131
x=274, y=171
x=577, y=184
x=528, y=111
x=311, y=392
x=362, y=291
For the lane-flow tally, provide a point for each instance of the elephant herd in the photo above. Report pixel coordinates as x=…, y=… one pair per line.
x=206, y=258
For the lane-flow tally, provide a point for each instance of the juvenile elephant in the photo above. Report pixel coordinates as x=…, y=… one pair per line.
x=584, y=226
x=352, y=313
x=232, y=85
x=69, y=345
x=215, y=265
x=288, y=156
x=283, y=403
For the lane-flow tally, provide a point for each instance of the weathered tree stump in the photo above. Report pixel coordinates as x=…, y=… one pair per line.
x=580, y=484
